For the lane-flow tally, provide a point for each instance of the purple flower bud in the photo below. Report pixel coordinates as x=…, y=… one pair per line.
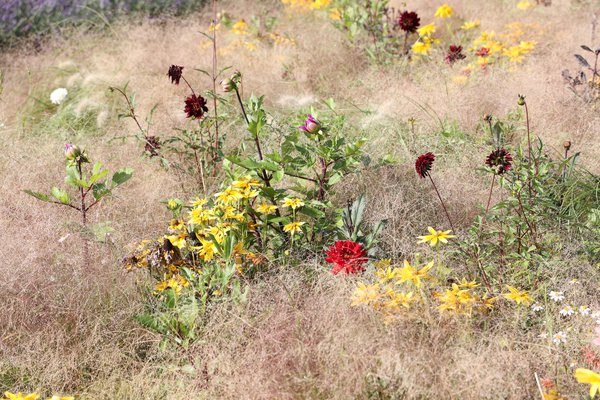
x=227, y=85
x=71, y=151
x=311, y=125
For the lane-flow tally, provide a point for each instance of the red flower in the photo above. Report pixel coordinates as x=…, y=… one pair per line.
x=424, y=163
x=347, y=256
x=409, y=21
x=482, y=52
x=195, y=106
x=500, y=160
x=174, y=73
x=454, y=54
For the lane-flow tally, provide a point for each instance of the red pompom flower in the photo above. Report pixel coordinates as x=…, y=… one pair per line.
x=500, y=160
x=347, y=257
x=454, y=54
x=175, y=72
x=195, y=106
x=409, y=21
x=424, y=163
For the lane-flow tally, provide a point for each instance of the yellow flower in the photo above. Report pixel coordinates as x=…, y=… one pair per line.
x=178, y=240
x=525, y=5
x=176, y=225
x=266, y=208
x=409, y=273
x=444, y=11
x=436, y=236
x=214, y=27
x=387, y=274
x=21, y=396
x=250, y=46
x=335, y=15
x=519, y=297
x=172, y=204
x=293, y=227
x=293, y=203
x=590, y=377
x=318, y=4
x=365, y=294
x=426, y=30
x=421, y=47
x=240, y=27
x=464, y=284
x=229, y=195
x=198, y=202
x=397, y=300
x=207, y=250
x=470, y=25
x=199, y=216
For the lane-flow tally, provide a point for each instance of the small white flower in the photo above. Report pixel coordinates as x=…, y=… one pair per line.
x=58, y=95
x=2, y=125
x=537, y=307
x=566, y=311
x=559, y=337
x=584, y=310
x=557, y=297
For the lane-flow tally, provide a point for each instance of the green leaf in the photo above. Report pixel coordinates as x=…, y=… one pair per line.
x=99, y=190
x=122, y=176
x=312, y=212
x=37, y=195
x=60, y=195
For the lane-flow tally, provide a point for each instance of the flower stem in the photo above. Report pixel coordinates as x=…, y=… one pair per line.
x=214, y=79
x=442, y=201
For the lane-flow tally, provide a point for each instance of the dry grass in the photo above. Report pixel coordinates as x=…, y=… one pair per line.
x=68, y=328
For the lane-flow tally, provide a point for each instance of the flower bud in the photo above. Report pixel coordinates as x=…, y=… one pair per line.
x=227, y=85
x=521, y=100
x=71, y=151
x=567, y=145
x=311, y=125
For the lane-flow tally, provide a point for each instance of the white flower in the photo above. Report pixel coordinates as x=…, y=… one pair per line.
x=58, y=95
x=559, y=337
x=584, y=310
x=2, y=125
x=567, y=311
x=556, y=296
x=537, y=307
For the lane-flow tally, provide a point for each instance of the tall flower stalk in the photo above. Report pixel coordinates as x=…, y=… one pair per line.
x=423, y=167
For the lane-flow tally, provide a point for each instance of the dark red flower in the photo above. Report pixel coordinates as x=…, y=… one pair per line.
x=500, y=160
x=454, y=54
x=424, y=163
x=175, y=72
x=347, y=257
x=482, y=52
x=195, y=106
x=409, y=21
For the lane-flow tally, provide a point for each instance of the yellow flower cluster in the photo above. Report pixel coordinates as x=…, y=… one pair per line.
x=385, y=296
x=32, y=396
x=462, y=299
x=307, y=4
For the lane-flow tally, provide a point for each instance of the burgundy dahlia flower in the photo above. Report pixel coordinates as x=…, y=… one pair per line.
x=424, y=163
x=347, y=257
x=500, y=160
x=409, y=21
x=454, y=54
x=175, y=72
x=195, y=106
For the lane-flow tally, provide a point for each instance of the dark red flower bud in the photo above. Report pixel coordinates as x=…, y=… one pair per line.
x=175, y=72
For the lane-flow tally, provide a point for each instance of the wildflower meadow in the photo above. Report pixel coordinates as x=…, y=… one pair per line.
x=300, y=199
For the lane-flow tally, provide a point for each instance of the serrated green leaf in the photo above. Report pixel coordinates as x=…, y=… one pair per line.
x=122, y=176
x=37, y=195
